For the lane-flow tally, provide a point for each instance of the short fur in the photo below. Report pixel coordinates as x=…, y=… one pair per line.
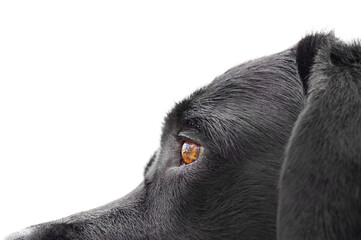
x=299, y=109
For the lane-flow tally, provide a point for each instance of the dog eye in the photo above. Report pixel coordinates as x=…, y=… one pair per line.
x=191, y=152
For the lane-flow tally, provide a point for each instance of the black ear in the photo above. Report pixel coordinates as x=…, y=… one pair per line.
x=320, y=183
x=306, y=51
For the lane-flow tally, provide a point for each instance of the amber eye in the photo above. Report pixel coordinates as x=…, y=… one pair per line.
x=191, y=152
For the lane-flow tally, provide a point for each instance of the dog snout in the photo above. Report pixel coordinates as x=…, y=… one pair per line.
x=54, y=231
x=21, y=235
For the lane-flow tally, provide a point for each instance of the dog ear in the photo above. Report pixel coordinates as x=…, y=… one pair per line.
x=320, y=182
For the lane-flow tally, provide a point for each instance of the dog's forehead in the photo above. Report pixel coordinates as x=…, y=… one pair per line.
x=245, y=87
x=232, y=104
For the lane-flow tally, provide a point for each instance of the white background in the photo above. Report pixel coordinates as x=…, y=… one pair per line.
x=84, y=86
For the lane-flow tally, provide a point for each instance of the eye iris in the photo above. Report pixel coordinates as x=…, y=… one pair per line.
x=191, y=152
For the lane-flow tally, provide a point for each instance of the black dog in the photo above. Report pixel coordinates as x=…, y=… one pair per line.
x=271, y=149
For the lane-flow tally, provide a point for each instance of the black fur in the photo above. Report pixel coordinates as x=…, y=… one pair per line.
x=321, y=176
x=299, y=108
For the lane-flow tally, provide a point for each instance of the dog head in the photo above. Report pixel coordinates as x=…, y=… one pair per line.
x=234, y=132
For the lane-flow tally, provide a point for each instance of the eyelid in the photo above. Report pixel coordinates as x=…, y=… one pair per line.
x=189, y=136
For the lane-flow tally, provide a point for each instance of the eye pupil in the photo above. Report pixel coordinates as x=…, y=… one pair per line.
x=191, y=152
